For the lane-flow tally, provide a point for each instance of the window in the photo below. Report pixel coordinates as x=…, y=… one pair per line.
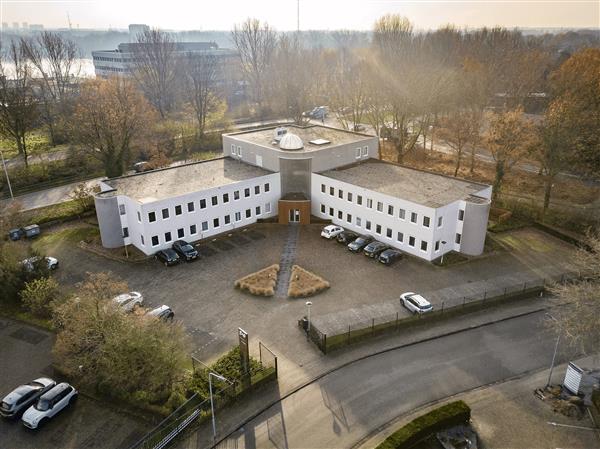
x=193, y=230
x=331, y=211
x=358, y=153
x=151, y=217
x=191, y=207
x=202, y=204
x=248, y=213
x=388, y=233
x=139, y=217
x=225, y=198
x=267, y=187
x=349, y=218
x=359, y=200
x=238, y=216
x=413, y=217
x=379, y=206
x=378, y=229
x=178, y=209
x=268, y=208
x=204, y=226
x=402, y=214
x=257, y=190
x=340, y=214
x=437, y=246
x=236, y=195
x=350, y=196
x=461, y=215
x=125, y=233
x=323, y=188
x=232, y=149
x=167, y=237
x=400, y=237
x=322, y=208
x=411, y=241
x=331, y=191
x=165, y=214
x=247, y=192
x=121, y=209
x=257, y=210
x=368, y=225
x=358, y=220
x=215, y=222
x=214, y=200
x=155, y=240
x=440, y=221
x=180, y=233
x=390, y=209
x=369, y=203
x=423, y=245
x=239, y=151
x=457, y=240
x=341, y=194
x=426, y=222
x=142, y=239
x=365, y=151
x=227, y=219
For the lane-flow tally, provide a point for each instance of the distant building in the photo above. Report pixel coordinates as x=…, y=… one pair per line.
x=15, y=25
x=25, y=25
x=36, y=27
x=136, y=29
x=5, y=25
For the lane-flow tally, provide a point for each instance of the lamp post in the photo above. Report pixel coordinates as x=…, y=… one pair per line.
x=308, y=304
x=212, y=406
x=443, y=244
x=7, y=178
x=555, y=349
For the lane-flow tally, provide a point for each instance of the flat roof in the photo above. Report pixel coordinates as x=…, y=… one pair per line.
x=175, y=181
x=417, y=186
x=333, y=136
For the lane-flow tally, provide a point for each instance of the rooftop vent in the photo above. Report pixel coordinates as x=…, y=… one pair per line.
x=280, y=132
x=320, y=142
x=291, y=142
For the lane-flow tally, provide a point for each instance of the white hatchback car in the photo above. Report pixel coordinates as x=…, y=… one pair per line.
x=331, y=231
x=129, y=301
x=415, y=303
x=49, y=404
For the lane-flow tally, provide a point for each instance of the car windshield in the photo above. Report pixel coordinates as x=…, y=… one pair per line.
x=187, y=247
x=42, y=405
x=360, y=240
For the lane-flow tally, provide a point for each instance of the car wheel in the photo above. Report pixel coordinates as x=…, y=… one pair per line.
x=73, y=399
x=42, y=423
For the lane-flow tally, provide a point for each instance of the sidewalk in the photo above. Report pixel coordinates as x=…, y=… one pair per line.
x=508, y=415
x=294, y=377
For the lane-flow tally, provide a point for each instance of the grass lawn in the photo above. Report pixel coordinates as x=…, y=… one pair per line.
x=48, y=242
x=37, y=142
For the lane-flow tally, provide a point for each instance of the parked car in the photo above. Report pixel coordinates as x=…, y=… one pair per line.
x=30, y=264
x=375, y=248
x=167, y=256
x=15, y=234
x=331, y=231
x=129, y=301
x=360, y=243
x=184, y=250
x=21, y=398
x=389, y=256
x=163, y=312
x=49, y=405
x=346, y=237
x=415, y=303
x=358, y=127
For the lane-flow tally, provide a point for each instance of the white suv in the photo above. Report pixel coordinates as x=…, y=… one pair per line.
x=415, y=303
x=331, y=231
x=49, y=404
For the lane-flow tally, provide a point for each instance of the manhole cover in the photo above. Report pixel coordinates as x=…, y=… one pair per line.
x=223, y=246
x=255, y=235
x=239, y=240
x=205, y=251
x=28, y=335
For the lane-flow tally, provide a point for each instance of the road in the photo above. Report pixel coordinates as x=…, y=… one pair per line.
x=345, y=406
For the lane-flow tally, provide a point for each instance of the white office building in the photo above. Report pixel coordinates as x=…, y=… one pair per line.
x=294, y=173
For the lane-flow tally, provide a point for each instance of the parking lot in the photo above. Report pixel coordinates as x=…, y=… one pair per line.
x=202, y=295
x=25, y=354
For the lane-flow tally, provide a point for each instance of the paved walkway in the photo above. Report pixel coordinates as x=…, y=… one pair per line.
x=288, y=255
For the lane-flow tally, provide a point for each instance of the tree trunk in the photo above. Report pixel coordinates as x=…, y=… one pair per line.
x=500, y=171
x=547, y=193
x=472, y=161
x=458, y=158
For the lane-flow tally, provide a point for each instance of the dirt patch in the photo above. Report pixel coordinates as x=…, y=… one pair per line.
x=303, y=283
x=260, y=283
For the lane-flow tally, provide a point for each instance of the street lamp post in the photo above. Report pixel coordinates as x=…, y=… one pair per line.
x=308, y=304
x=7, y=178
x=212, y=406
x=443, y=244
x=555, y=350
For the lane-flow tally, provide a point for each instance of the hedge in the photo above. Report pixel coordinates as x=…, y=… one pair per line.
x=596, y=399
x=448, y=415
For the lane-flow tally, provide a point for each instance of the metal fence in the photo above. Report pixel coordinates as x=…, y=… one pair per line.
x=198, y=408
x=344, y=328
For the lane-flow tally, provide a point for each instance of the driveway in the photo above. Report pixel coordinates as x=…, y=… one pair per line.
x=26, y=354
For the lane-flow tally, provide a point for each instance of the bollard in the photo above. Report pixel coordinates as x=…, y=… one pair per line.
x=464, y=300
x=484, y=295
x=372, y=326
x=442, y=307
x=396, y=321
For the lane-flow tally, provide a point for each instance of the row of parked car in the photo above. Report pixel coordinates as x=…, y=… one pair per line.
x=133, y=301
x=370, y=247
x=180, y=250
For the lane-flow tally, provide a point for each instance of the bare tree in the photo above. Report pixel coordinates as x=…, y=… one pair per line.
x=154, y=67
x=56, y=60
x=18, y=107
x=200, y=77
x=460, y=129
x=255, y=43
x=349, y=89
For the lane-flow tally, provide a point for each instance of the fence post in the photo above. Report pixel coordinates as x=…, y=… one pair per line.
x=260, y=352
x=505, y=292
x=396, y=321
x=464, y=300
x=442, y=307
x=372, y=326
x=348, y=340
x=484, y=295
x=324, y=343
x=524, y=285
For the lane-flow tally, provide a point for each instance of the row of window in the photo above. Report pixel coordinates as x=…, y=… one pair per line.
x=111, y=69
x=225, y=198
x=234, y=152
x=378, y=229
x=205, y=225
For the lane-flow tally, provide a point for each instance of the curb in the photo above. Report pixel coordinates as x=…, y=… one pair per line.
x=367, y=356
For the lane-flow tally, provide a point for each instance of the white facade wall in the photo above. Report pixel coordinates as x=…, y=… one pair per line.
x=141, y=230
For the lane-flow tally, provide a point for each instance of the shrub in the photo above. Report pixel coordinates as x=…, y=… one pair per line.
x=596, y=399
x=260, y=283
x=39, y=296
x=448, y=415
x=303, y=283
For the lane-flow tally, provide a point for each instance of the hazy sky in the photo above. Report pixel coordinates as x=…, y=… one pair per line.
x=314, y=14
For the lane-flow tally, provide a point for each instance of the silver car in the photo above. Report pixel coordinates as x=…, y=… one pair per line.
x=21, y=398
x=129, y=301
